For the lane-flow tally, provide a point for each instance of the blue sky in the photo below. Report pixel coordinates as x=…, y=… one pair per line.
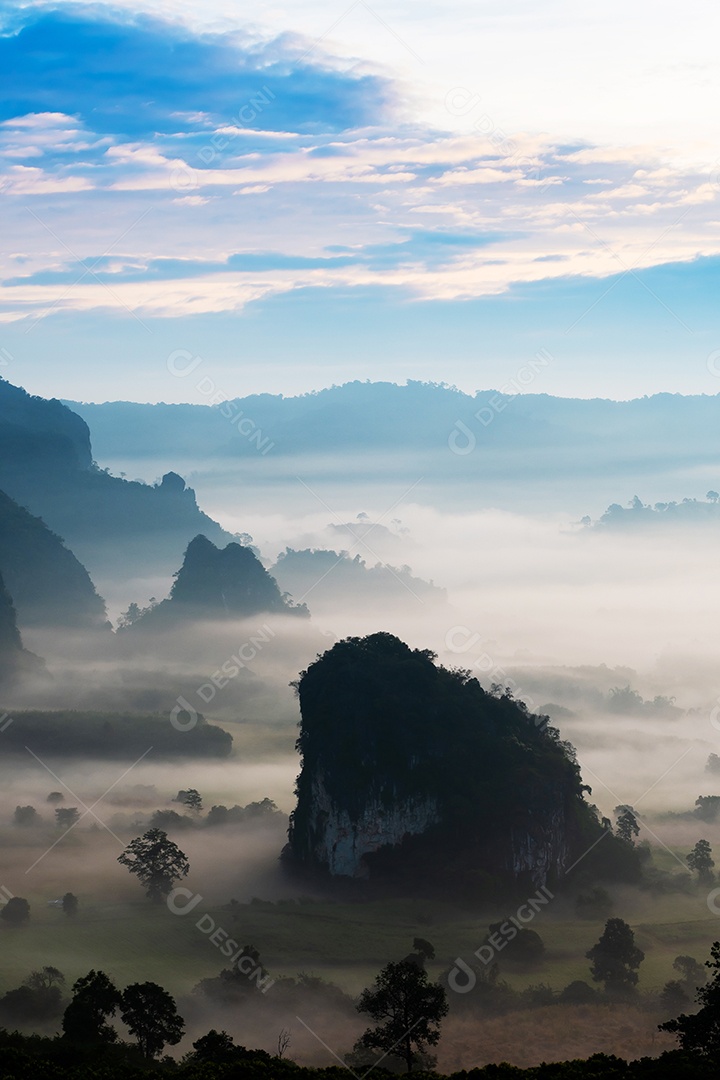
x=357, y=192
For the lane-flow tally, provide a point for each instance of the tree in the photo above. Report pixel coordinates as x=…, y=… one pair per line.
x=157, y=861
x=700, y=1033
x=283, y=1042
x=16, y=911
x=701, y=860
x=55, y=796
x=408, y=1010
x=39, y=997
x=67, y=816
x=616, y=958
x=95, y=998
x=673, y=996
x=45, y=979
x=190, y=798
x=691, y=972
x=712, y=496
x=216, y=1047
x=627, y=824
x=25, y=815
x=70, y=904
x=151, y=1016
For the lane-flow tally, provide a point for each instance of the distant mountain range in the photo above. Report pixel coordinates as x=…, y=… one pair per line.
x=420, y=417
x=523, y=452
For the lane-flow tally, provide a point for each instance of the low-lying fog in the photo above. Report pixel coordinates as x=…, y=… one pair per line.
x=615, y=634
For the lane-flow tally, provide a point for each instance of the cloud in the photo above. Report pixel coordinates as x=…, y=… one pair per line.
x=139, y=75
x=211, y=170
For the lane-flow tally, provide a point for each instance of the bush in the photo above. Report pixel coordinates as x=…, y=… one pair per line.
x=578, y=993
x=16, y=911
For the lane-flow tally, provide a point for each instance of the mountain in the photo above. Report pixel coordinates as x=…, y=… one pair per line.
x=214, y=583
x=114, y=526
x=493, y=447
x=413, y=772
x=329, y=579
x=14, y=660
x=48, y=584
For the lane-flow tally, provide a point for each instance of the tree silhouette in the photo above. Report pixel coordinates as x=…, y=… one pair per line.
x=616, y=958
x=26, y=815
x=152, y=1017
x=16, y=911
x=190, y=798
x=70, y=904
x=700, y=1032
x=627, y=824
x=157, y=862
x=408, y=1010
x=95, y=998
x=700, y=859
x=66, y=817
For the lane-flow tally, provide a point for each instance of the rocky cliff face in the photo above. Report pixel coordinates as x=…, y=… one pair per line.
x=341, y=843
x=413, y=771
x=540, y=851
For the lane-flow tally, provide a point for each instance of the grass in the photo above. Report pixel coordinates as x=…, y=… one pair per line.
x=347, y=942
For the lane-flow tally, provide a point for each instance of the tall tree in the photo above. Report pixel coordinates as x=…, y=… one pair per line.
x=700, y=859
x=627, y=827
x=95, y=999
x=157, y=862
x=152, y=1017
x=407, y=1008
x=616, y=958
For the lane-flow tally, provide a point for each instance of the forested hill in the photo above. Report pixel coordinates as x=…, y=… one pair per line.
x=109, y=523
x=418, y=416
x=49, y=586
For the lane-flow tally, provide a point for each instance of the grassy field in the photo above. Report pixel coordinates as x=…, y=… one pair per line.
x=349, y=942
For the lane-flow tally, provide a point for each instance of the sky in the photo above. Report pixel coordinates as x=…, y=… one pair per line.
x=305, y=194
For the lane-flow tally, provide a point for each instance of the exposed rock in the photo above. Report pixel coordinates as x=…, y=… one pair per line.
x=414, y=771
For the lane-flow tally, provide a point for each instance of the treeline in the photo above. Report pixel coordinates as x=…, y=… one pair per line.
x=691, y=511
x=67, y=733
x=215, y=1057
